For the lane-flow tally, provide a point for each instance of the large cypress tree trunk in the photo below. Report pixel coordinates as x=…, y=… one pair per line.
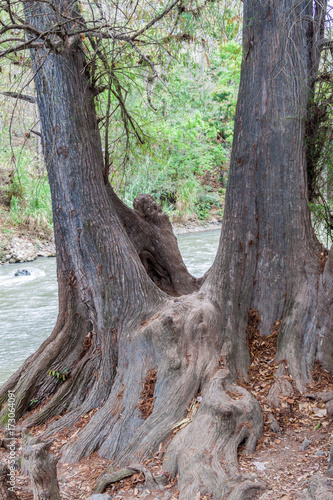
x=142, y=356
x=93, y=250
x=96, y=262
x=101, y=244
x=269, y=253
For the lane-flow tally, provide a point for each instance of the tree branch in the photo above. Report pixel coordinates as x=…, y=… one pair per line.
x=18, y=95
x=325, y=43
x=36, y=133
x=154, y=21
x=150, y=79
x=30, y=44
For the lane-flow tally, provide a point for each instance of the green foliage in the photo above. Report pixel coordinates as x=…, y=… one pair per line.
x=206, y=200
x=164, y=151
x=322, y=220
x=61, y=374
x=187, y=194
x=29, y=193
x=160, y=134
x=188, y=135
x=227, y=67
x=319, y=152
x=203, y=210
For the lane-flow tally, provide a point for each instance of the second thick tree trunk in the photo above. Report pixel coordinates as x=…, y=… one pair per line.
x=269, y=257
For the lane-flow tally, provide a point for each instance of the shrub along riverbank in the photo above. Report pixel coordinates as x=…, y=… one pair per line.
x=26, y=217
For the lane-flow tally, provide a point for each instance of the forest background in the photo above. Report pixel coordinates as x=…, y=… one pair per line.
x=176, y=144
x=178, y=147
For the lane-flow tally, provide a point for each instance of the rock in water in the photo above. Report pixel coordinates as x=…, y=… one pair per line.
x=23, y=272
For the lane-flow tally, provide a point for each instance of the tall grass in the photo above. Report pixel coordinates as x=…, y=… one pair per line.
x=29, y=192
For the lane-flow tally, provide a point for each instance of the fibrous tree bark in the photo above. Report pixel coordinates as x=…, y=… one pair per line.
x=7, y=491
x=141, y=353
x=150, y=231
x=42, y=467
x=273, y=250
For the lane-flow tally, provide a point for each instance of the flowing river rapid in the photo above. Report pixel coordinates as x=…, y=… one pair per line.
x=29, y=304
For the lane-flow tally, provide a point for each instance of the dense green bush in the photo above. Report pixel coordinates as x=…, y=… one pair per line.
x=165, y=151
x=189, y=134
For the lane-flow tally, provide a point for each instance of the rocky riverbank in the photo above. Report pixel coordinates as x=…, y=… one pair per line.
x=24, y=249
x=194, y=227
x=23, y=242
x=20, y=246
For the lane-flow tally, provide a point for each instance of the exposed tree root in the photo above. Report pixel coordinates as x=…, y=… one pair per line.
x=167, y=362
x=163, y=364
x=5, y=492
x=205, y=452
x=319, y=489
x=129, y=471
x=42, y=468
x=55, y=353
x=171, y=359
x=164, y=361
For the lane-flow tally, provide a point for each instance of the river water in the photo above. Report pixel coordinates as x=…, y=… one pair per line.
x=29, y=304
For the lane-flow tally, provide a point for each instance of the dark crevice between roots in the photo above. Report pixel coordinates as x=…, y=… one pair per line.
x=271, y=383
x=128, y=483
x=150, y=473
x=147, y=398
x=323, y=256
x=264, y=373
x=87, y=343
x=322, y=380
x=191, y=411
x=262, y=349
x=157, y=274
x=252, y=330
x=204, y=453
x=241, y=448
